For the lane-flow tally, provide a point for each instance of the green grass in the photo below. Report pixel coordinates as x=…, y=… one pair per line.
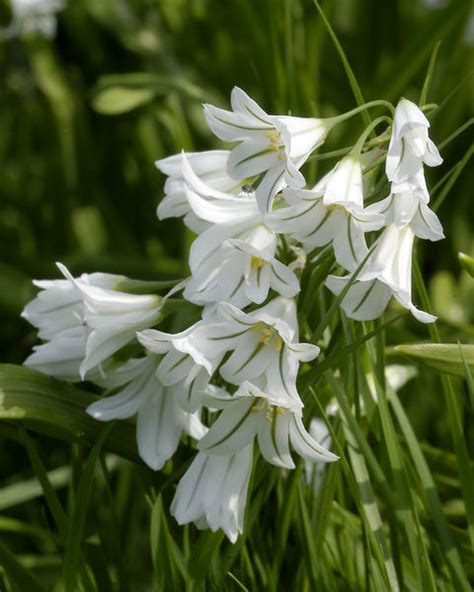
x=83, y=119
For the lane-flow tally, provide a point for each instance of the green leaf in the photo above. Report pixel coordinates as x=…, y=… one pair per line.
x=444, y=357
x=17, y=574
x=58, y=409
x=118, y=99
x=467, y=263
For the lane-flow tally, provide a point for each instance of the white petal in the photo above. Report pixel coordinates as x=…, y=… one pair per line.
x=365, y=300
x=235, y=428
x=425, y=223
x=273, y=438
x=305, y=445
x=159, y=427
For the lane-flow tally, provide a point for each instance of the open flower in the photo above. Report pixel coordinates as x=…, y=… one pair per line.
x=194, y=168
x=386, y=273
x=276, y=145
x=331, y=212
x=409, y=208
x=410, y=145
x=160, y=419
x=213, y=492
x=252, y=412
x=262, y=344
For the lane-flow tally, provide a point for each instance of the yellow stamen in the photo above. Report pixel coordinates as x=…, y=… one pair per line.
x=256, y=262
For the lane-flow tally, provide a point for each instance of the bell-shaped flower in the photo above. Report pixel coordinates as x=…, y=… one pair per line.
x=386, y=273
x=160, y=419
x=233, y=260
x=410, y=145
x=59, y=306
x=201, y=169
x=62, y=356
x=331, y=212
x=113, y=318
x=189, y=377
x=213, y=492
x=275, y=421
x=276, y=145
x=263, y=343
x=242, y=271
x=408, y=208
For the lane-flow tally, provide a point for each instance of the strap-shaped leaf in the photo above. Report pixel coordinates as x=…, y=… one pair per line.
x=57, y=408
x=444, y=357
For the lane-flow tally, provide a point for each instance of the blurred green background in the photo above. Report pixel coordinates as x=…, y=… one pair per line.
x=85, y=115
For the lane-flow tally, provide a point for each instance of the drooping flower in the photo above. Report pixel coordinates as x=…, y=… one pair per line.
x=160, y=419
x=191, y=168
x=59, y=306
x=263, y=343
x=113, y=318
x=410, y=145
x=62, y=356
x=408, y=208
x=253, y=412
x=234, y=259
x=331, y=212
x=386, y=273
x=276, y=145
x=213, y=492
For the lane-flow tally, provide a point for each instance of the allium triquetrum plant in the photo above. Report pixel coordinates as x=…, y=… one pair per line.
x=258, y=386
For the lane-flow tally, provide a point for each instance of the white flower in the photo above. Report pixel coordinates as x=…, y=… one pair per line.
x=387, y=273
x=410, y=145
x=34, y=16
x=62, y=356
x=213, y=492
x=276, y=145
x=160, y=420
x=58, y=306
x=177, y=369
x=409, y=208
x=233, y=260
x=193, y=168
x=262, y=344
x=113, y=319
x=252, y=412
x=331, y=212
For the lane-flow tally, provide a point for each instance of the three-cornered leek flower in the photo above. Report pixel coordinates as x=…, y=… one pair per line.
x=213, y=492
x=276, y=145
x=188, y=376
x=276, y=422
x=234, y=259
x=263, y=343
x=58, y=313
x=331, y=212
x=386, y=273
x=160, y=419
x=210, y=168
x=410, y=145
x=113, y=318
x=409, y=208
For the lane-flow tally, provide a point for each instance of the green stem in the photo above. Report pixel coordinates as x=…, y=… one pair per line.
x=344, y=116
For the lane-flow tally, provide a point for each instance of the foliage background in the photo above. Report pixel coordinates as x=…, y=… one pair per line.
x=78, y=139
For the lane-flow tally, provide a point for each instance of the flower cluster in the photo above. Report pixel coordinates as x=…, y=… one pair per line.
x=229, y=381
